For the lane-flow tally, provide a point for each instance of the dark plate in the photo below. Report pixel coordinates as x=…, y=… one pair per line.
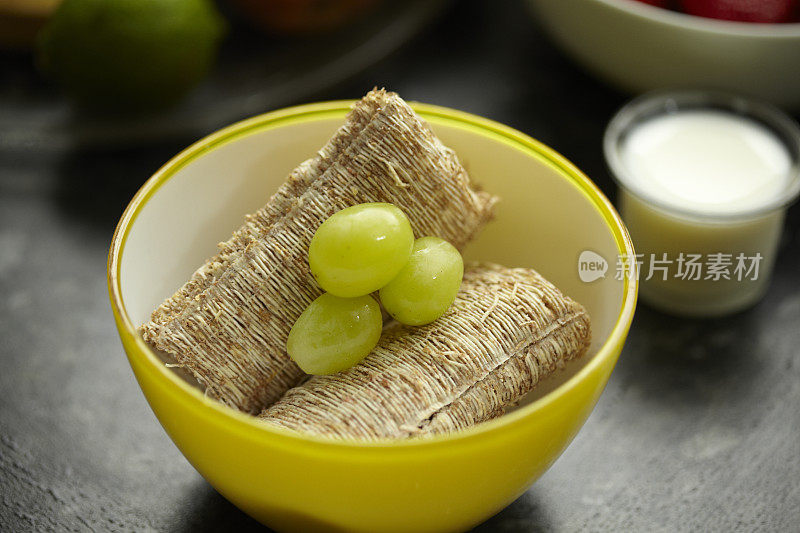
x=254, y=73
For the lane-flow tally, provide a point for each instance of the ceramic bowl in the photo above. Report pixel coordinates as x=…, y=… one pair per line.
x=550, y=213
x=639, y=47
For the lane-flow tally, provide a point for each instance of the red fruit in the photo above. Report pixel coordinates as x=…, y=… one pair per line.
x=658, y=3
x=742, y=10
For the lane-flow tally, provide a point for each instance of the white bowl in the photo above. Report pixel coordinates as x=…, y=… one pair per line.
x=638, y=47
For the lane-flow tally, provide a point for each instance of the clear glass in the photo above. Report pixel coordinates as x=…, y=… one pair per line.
x=659, y=227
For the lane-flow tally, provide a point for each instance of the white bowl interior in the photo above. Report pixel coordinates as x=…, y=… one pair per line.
x=544, y=221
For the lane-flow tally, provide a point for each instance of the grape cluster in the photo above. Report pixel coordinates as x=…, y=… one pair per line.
x=357, y=251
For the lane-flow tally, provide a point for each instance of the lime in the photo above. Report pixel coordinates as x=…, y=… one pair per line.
x=130, y=54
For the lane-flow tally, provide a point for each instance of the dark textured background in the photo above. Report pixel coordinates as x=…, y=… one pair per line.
x=698, y=429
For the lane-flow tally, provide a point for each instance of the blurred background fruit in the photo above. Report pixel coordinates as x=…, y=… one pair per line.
x=758, y=11
x=658, y=3
x=21, y=19
x=130, y=54
x=256, y=69
x=765, y=11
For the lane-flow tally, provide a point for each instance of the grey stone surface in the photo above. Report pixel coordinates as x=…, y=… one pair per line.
x=698, y=429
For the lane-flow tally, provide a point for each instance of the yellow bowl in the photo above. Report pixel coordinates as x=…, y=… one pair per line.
x=550, y=212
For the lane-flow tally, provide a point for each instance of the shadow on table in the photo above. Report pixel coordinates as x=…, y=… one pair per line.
x=525, y=515
x=94, y=187
x=211, y=512
x=687, y=363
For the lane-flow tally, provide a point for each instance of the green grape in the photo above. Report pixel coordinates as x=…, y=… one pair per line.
x=427, y=285
x=335, y=333
x=360, y=249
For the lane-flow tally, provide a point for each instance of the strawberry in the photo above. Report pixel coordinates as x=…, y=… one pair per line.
x=742, y=10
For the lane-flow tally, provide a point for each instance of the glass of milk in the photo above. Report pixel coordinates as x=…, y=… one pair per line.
x=704, y=181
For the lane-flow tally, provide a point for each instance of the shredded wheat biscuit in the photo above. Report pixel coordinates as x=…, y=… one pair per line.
x=229, y=324
x=278, y=206
x=507, y=330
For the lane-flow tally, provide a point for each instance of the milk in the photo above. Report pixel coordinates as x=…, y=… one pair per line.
x=708, y=183
x=710, y=162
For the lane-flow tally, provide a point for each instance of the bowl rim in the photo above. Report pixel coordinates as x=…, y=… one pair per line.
x=247, y=426
x=684, y=20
